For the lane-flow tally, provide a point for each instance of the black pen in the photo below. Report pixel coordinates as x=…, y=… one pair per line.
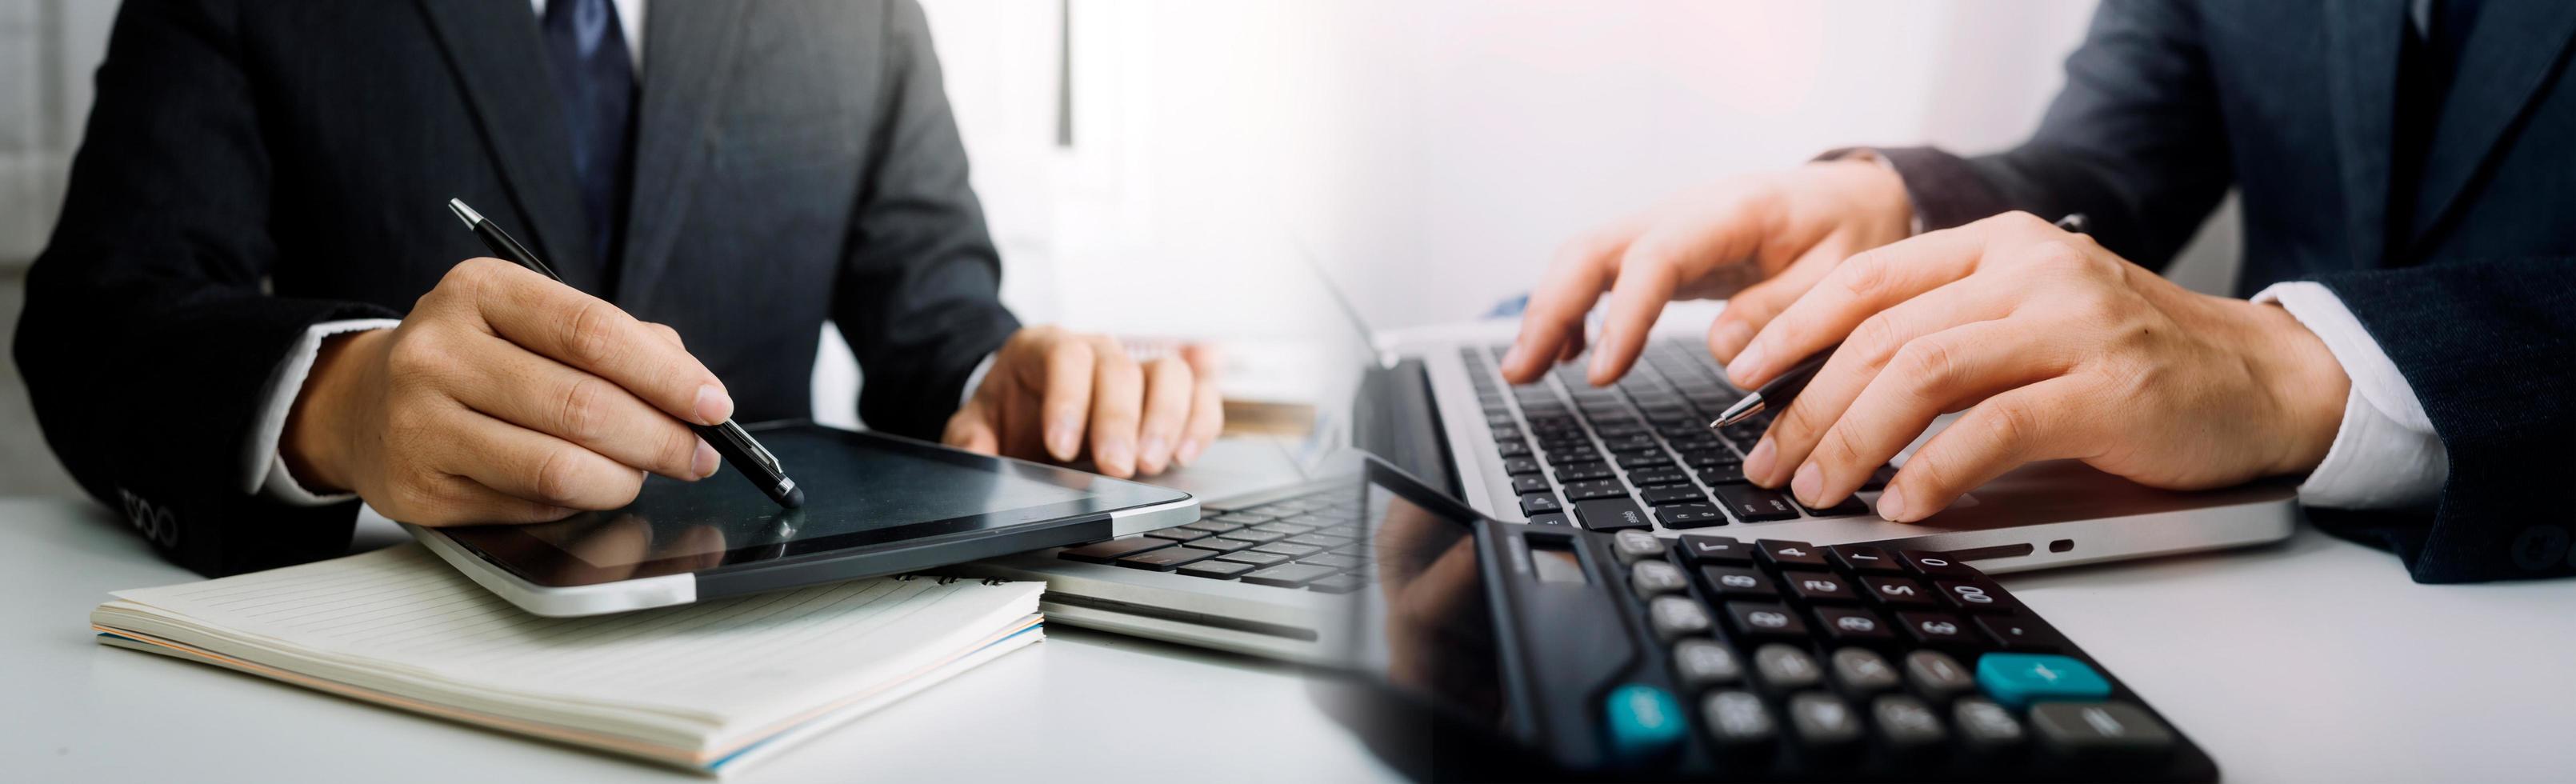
x=1785, y=388
x=737, y=446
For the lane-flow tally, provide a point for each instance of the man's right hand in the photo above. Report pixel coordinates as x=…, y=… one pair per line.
x=1760, y=241
x=503, y=397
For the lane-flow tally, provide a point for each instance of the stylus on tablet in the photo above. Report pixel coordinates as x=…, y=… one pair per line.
x=737, y=446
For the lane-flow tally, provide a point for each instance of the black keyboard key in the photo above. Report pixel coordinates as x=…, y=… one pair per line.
x=1690, y=516
x=1790, y=555
x=1864, y=559
x=1288, y=575
x=1165, y=559
x=2021, y=634
x=1335, y=560
x=1897, y=592
x=1723, y=475
x=1754, y=504
x=1657, y=476
x=1339, y=583
x=1850, y=507
x=1738, y=582
x=1114, y=549
x=1253, y=557
x=1221, y=544
x=1516, y=466
x=1759, y=619
x=1290, y=550
x=1590, y=489
x=1853, y=626
x=1611, y=514
x=1529, y=483
x=1253, y=536
x=1640, y=458
x=1512, y=448
x=1550, y=518
x=1706, y=549
x=1710, y=457
x=1588, y=470
x=1178, y=534
x=1213, y=526
x=1633, y=442
x=1939, y=629
x=1318, y=539
x=2099, y=731
x=1935, y=565
x=1819, y=587
x=1536, y=503
x=1286, y=528
x=1784, y=669
x=1667, y=496
x=1976, y=596
x=1823, y=724
x=1878, y=479
x=1861, y=672
x=1216, y=569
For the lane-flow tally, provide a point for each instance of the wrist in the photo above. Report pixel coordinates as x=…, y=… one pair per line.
x=2308, y=388
x=315, y=443
x=1877, y=206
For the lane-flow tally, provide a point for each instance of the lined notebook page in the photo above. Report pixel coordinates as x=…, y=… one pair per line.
x=401, y=610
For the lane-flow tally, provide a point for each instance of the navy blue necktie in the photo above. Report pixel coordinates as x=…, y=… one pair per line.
x=597, y=83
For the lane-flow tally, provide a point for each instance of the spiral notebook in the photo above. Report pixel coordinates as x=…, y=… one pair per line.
x=708, y=687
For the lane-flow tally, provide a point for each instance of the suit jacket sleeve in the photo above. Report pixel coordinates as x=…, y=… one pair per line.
x=147, y=336
x=919, y=295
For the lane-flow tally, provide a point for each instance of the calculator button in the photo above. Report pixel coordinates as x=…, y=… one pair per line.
x=1652, y=578
x=1642, y=720
x=1864, y=559
x=1706, y=549
x=1790, y=555
x=1536, y=503
x=1754, y=504
x=1984, y=727
x=1165, y=559
x=1897, y=592
x=1819, y=587
x=1634, y=546
x=1935, y=565
x=1941, y=629
x=2098, y=730
x=1738, y=582
x=2021, y=633
x=1822, y=722
x=1550, y=518
x=1737, y=720
x=1611, y=514
x=2016, y=680
x=1936, y=676
x=1905, y=724
x=1690, y=516
x=1675, y=617
x=1760, y=619
x=1785, y=669
x=1703, y=663
x=1114, y=549
x=1853, y=625
x=1978, y=597
x=1862, y=672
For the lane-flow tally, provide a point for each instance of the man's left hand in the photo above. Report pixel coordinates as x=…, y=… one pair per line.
x=2056, y=348
x=1054, y=394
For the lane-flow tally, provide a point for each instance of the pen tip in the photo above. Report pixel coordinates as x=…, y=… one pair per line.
x=464, y=213
x=795, y=498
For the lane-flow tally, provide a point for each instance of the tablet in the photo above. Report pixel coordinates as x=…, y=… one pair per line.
x=875, y=505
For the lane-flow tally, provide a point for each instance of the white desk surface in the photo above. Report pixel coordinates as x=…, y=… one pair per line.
x=2315, y=660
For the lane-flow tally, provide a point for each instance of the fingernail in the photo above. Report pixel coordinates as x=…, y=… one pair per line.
x=713, y=405
x=1891, y=505
x=1757, y=464
x=1115, y=458
x=705, y=463
x=1808, y=485
x=1512, y=358
x=1741, y=370
x=1189, y=451
x=1063, y=440
x=1154, y=450
x=1731, y=337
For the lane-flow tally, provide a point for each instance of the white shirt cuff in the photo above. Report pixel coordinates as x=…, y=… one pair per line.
x=268, y=475
x=975, y=380
x=2385, y=455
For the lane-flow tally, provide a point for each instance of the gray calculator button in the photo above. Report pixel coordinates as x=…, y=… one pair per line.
x=1652, y=578
x=1905, y=723
x=1635, y=545
x=1675, y=617
x=1985, y=726
x=1862, y=672
x=1736, y=719
x=1784, y=668
x=1936, y=676
x=2099, y=729
x=1702, y=664
x=1823, y=721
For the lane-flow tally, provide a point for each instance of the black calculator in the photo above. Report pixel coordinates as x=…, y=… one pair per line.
x=1495, y=650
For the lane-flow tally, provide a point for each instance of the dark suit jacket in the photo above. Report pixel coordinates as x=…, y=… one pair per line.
x=2170, y=102
x=256, y=166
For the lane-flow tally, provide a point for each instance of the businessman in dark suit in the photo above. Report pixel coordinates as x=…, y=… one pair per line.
x=2408, y=348
x=256, y=308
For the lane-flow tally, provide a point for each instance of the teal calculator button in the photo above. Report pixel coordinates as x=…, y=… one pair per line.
x=1643, y=720
x=2018, y=679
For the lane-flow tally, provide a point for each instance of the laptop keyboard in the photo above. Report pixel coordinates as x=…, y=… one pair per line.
x=1637, y=455
x=1309, y=541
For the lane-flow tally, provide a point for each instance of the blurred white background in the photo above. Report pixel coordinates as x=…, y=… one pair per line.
x=1429, y=154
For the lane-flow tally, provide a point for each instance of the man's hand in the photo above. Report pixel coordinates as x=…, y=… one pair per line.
x=1759, y=241
x=1047, y=387
x=2056, y=348
x=503, y=397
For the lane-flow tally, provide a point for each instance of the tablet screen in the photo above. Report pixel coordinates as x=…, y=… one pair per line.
x=861, y=489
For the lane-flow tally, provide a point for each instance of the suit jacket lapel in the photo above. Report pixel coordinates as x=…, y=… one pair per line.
x=688, y=57
x=2362, y=39
x=499, y=59
x=2511, y=51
